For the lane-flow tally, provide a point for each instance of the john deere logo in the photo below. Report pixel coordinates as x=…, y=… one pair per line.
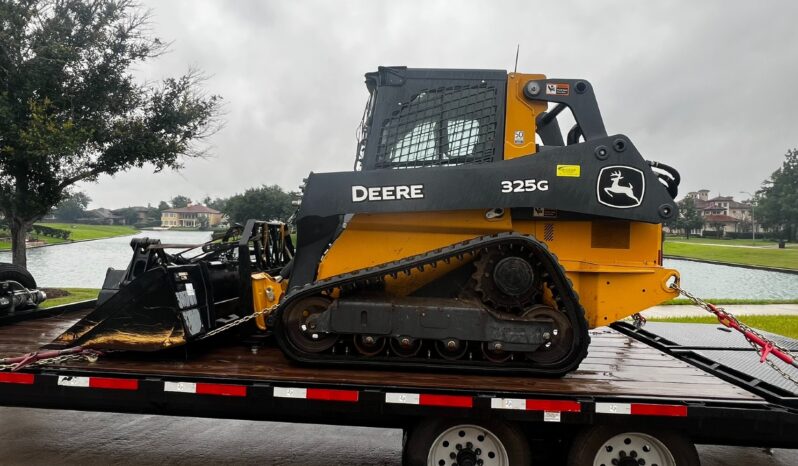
x=621, y=187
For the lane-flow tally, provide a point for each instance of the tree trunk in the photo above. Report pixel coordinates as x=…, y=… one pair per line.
x=19, y=231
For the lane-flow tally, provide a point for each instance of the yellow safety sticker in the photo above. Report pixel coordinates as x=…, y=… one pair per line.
x=572, y=171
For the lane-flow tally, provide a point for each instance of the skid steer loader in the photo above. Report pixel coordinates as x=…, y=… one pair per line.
x=473, y=234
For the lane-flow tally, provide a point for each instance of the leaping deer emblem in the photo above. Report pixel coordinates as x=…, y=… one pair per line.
x=618, y=188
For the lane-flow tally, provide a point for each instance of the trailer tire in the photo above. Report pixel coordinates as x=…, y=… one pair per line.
x=432, y=436
x=17, y=274
x=599, y=445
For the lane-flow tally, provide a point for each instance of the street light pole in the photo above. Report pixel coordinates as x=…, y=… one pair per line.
x=753, y=222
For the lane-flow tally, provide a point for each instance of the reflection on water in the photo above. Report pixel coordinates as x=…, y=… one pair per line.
x=84, y=265
x=721, y=281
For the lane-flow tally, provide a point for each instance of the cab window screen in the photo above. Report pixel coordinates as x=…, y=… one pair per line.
x=446, y=126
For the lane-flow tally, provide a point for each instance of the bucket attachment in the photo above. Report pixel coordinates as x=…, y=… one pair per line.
x=164, y=300
x=141, y=316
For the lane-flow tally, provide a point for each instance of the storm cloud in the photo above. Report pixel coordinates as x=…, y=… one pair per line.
x=708, y=87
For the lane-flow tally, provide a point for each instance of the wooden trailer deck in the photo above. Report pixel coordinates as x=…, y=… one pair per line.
x=616, y=365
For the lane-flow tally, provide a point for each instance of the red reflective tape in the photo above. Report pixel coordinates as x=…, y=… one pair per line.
x=659, y=410
x=453, y=401
x=114, y=384
x=16, y=377
x=332, y=395
x=553, y=405
x=221, y=389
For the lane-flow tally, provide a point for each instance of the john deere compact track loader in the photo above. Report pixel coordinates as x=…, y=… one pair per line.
x=472, y=235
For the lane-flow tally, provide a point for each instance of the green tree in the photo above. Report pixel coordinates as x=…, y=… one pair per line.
x=70, y=109
x=180, y=201
x=72, y=207
x=217, y=204
x=163, y=205
x=778, y=198
x=689, y=216
x=130, y=215
x=263, y=203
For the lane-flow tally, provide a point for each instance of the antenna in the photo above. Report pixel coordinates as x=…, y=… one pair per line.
x=517, y=49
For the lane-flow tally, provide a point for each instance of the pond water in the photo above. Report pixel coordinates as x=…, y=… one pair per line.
x=721, y=281
x=84, y=265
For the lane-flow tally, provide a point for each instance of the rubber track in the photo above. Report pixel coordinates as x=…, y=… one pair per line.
x=561, y=288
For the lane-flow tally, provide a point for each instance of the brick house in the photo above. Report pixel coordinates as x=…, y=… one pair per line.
x=101, y=216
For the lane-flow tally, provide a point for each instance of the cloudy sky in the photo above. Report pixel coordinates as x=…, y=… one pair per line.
x=708, y=87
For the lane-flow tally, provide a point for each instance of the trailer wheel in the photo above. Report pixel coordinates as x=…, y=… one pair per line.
x=439, y=442
x=617, y=445
x=17, y=274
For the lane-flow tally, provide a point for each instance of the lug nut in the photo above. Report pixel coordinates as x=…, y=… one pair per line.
x=546, y=336
x=451, y=345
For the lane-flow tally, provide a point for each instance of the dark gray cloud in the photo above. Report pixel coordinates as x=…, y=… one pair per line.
x=709, y=87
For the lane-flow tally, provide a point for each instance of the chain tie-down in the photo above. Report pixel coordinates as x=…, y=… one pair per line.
x=761, y=344
x=78, y=353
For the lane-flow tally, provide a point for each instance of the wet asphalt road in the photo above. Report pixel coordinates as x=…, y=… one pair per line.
x=41, y=437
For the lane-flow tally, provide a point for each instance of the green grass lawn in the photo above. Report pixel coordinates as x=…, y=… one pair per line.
x=84, y=232
x=79, y=233
x=75, y=295
x=736, y=242
x=783, y=325
x=783, y=258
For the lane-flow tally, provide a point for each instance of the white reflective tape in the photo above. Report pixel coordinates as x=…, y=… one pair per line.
x=508, y=403
x=286, y=392
x=69, y=381
x=614, y=408
x=180, y=387
x=403, y=398
x=551, y=416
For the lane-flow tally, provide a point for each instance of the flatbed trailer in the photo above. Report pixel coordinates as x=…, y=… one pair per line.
x=666, y=386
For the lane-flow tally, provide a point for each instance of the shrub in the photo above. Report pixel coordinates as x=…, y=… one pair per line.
x=51, y=232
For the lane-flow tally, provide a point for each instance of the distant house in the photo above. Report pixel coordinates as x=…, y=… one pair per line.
x=721, y=214
x=141, y=214
x=102, y=216
x=192, y=216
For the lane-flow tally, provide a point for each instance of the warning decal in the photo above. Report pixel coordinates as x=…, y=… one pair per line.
x=558, y=89
x=541, y=212
x=572, y=171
